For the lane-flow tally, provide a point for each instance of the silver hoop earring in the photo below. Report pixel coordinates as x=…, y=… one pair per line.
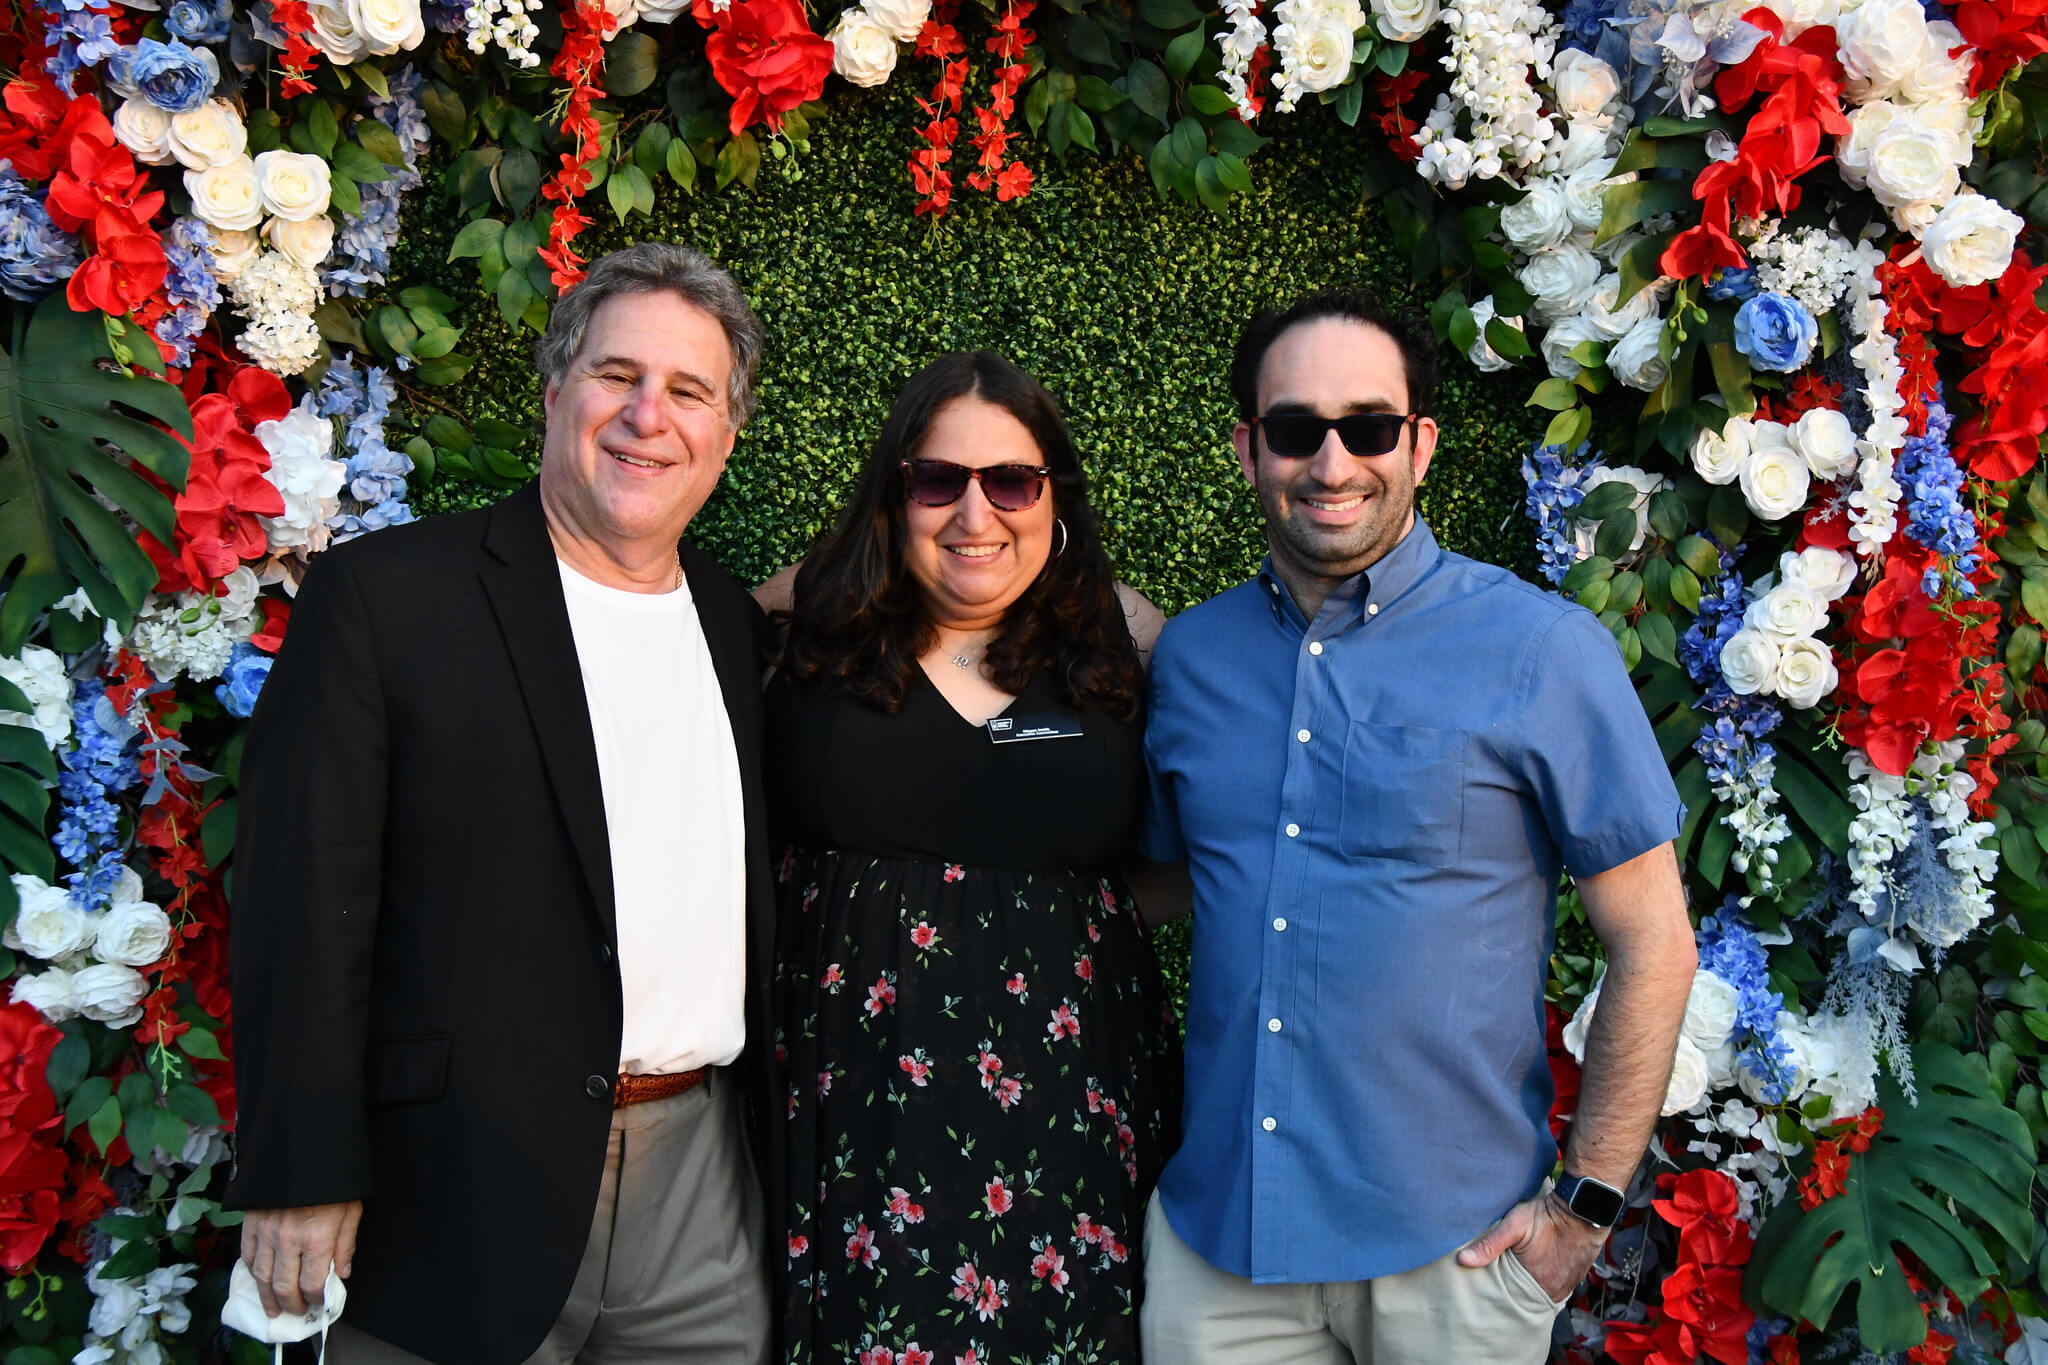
x=1062, y=528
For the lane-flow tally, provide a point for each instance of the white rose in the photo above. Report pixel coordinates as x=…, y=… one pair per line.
x=228, y=196
x=1852, y=149
x=134, y=935
x=1971, y=240
x=238, y=593
x=1315, y=51
x=1581, y=1020
x=1643, y=481
x=1583, y=144
x=1688, y=1079
x=40, y=675
x=1635, y=359
x=1710, y=1011
x=47, y=925
x=1722, y=1064
x=141, y=127
x=1585, y=190
x=50, y=992
x=300, y=443
x=1585, y=87
x=305, y=243
x=661, y=11
x=1936, y=76
x=1789, y=611
x=1775, y=482
x=211, y=135
x=1718, y=457
x=1565, y=336
x=624, y=13
x=1827, y=443
x=1348, y=13
x=1912, y=167
x=1405, y=21
x=904, y=19
x=110, y=993
x=1806, y=673
x=1540, y=219
x=1614, y=322
x=863, y=52
x=1880, y=43
x=234, y=251
x=1749, y=662
x=334, y=32
x=1562, y=278
x=1482, y=354
x=295, y=185
x=1828, y=572
x=1801, y=15
x=386, y=26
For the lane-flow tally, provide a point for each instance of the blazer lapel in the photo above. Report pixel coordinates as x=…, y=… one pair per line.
x=525, y=591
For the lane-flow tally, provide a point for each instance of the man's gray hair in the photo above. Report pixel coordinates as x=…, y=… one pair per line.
x=653, y=268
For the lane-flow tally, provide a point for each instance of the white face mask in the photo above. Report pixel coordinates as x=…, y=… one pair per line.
x=244, y=1312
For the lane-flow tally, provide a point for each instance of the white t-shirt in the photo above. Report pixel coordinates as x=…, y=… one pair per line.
x=673, y=816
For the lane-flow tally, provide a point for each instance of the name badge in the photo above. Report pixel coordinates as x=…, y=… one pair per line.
x=1017, y=729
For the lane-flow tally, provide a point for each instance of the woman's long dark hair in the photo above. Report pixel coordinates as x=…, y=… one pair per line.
x=858, y=621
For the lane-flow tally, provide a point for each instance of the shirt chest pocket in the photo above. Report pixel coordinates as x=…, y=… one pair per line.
x=1404, y=792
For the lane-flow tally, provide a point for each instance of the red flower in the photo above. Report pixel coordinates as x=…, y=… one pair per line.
x=924, y=936
x=1064, y=1024
x=39, y=124
x=1655, y=1342
x=767, y=58
x=26, y=1043
x=997, y=1197
x=1564, y=1071
x=901, y=1205
x=1013, y=182
x=798, y=1246
x=1706, y=1303
x=1868, y=1124
x=881, y=995
x=1826, y=1179
x=1705, y=1206
x=100, y=185
x=1933, y=1351
x=861, y=1246
x=120, y=275
x=1049, y=1265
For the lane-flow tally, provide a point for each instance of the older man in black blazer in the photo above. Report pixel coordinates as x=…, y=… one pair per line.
x=501, y=916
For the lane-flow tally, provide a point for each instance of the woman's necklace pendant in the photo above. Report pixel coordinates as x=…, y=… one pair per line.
x=963, y=661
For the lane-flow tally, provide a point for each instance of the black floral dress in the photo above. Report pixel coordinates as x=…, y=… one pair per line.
x=982, y=1074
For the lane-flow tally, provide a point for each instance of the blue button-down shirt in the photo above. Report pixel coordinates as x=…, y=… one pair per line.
x=1375, y=806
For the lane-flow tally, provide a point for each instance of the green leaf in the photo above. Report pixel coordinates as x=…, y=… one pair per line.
x=1629, y=203
x=1659, y=636
x=1727, y=517
x=514, y=293
x=1391, y=59
x=1957, y=1143
x=1645, y=153
x=1236, y=137
x=1814, y=800
x=1507, y=342
x=682, y=166
x=1147, y=86
x=1210, y=99
x=1080, y=127
x=1608, y=500
x=69, y=1061
x=1639, y=266
x=1170, y=16
x=445, y=114
x=343, y=194
x=1182, y=54
x=321, y=128
x=1586, y=571
x=1097, y=95
x=358, y=165
x=135, y=1259
x=2034, y=593
x=1209, y=186
x=193, y=1105
x=620, y=193
x=516, y=179
x=217, y=832
x=380, y=142
x=631, y=62
x=105, y=1124
x=199, y=1042
x=1235, y=175
x=60, y=412
x=1616, y=534
x=1685, y=588
x=1668, y=514
x=1555, y=394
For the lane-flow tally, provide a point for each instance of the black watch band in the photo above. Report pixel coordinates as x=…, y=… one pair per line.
x=1591, y=1201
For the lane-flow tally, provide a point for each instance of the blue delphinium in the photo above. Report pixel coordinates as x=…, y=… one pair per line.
x=1555, y=488
x=99, y=767
x=1732, y=284
x=36, y=256
x=77, y=37
x=242, y=680
x=172, y=76
x=374, y=495
x=1775, y=331
x=1936, y=514
x=1719, y=616
x=1729, y=949
x=199, y=21
x=191, y=285
x=362, y=248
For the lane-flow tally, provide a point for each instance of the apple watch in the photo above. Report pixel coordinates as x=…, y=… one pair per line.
x=1591, y=1201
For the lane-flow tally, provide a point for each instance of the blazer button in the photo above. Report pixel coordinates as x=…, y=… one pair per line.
x=597, y=1087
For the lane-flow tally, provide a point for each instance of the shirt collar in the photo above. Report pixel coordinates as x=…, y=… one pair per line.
x=1367, y=591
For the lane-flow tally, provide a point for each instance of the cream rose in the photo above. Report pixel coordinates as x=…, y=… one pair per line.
x=211, y=135
x=46, y=925
x=1636, y=359
x=1563, y=337
x=235, y=251
x=294, y=185
x=1789, y=611
x=1405, y=21
x=1584, y=86
x=1688, y=1079
x=228, y=196
x=1541, y=218
x=1913, y=168
x=904, y=19
x=1828, y=572
x=1585, y=192
x=1775, y=482
x=1749, y=662
x=1827, y=443
x=863, y=52
x=1801, y=15
x=334, y=32
x=51, y=992
x=387, y=26
x=1562, y=278
x=1614, y=321
x=1852, y=149
x=134, y=935
x=1971, y=240
x=1806, y=673
x=1581, y=146
x=1936, y=76
x=1880, y=43
x=1315, y=50
x=1482, y=354
x=142, y=128
x=304, y=243
x=110, y=993
x=1718, y=457
x=1710, y=1010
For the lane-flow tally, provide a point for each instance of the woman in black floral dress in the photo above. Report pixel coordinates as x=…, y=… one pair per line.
x=983, y=1078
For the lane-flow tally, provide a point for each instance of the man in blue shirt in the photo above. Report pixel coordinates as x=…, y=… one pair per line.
x=1376, y=759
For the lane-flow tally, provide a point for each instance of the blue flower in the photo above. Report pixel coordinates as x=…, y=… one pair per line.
x=1555, y=488
x=1775, y=331
x=243, y=679
x=1732, y=284
x=199, y=21
x=36, y=256
x=175, y=78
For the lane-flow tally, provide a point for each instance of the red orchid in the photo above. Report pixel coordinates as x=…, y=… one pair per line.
x=1706, y=1303
x=764, y=54
x=1827, y=1177
x=101, y=186
x=224, y=495
x=125, y=269
x=1705, y=1206
x=2005, y=33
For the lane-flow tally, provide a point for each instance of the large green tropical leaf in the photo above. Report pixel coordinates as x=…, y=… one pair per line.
x=69, y=428
x=1959, y=1149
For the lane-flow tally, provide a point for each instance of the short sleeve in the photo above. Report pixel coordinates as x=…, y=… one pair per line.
x=1591, y=757
x=1159, y=836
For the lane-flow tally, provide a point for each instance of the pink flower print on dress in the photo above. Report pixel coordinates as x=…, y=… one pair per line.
x=955, y=872
x=1087, y=1230
x=1117, y=1251
x=989, y=1301
x=972, y=1357
x=997, y=1198
x=1008, y=1091
x=878, y=1355
x=798, y=1245
x=1016, y=986
x=923, y=936
x=1094, y=1098
x=792, y=1102
x=830, y=978
x=989, y=1065
x=824, y=1084
x=1049, y=1265
x=881, y=995
x=787, y=868
x=914, y=1356
x=1084, y=967
x=861, y=1246
x=1094, y=934
x=1064, y=1024
x=902, y=1207
x=966, y=1282
x=1108, y=899
x=918, y=1066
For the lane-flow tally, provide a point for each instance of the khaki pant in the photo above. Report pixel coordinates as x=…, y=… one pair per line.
x=1438, y=1314
x=673, y=1267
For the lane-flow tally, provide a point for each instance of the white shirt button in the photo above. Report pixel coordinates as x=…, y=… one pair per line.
x=1315, y=646
x=1301, y=735
x=1293, y=830
x=1272, y=1026
x=1372, y=609
x=1280, y=925
x=1268, y=1124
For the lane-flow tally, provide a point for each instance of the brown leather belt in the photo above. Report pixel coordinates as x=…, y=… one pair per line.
x=641, y=1089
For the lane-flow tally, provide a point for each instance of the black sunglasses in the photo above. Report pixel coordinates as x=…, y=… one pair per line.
x=941, y=483
x=1294, y=435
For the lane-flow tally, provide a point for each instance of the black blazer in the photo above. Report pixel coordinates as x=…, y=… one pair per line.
x=423, y=948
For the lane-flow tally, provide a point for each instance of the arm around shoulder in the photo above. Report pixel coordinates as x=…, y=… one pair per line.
x=1144, y=620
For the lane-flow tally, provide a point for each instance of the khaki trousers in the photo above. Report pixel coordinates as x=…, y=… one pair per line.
x=673, y=1269
x=1438, y=1314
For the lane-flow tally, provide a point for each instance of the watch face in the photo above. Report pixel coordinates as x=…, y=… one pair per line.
x=1597, y=1203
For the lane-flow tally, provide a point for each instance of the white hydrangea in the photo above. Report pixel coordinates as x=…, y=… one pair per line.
x=1812, y=264
x=192, y=634
x=277, y=296
x=301, y=444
